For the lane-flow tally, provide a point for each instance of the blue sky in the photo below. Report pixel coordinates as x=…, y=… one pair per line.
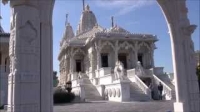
x=137, y=16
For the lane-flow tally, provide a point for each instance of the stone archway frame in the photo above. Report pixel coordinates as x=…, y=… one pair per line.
x=107, y=43
x=143, y=44
x=175, y=13
x=124, y=44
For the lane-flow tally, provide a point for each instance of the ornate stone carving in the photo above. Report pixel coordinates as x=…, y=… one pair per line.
x=29, y=77
x=110, y=92
x=29, y=32
x=144, y=44
x=107, y=43
x=114, y=92
x=127, y=45
x=106, y=92
x=119, y=71
x=118, y=92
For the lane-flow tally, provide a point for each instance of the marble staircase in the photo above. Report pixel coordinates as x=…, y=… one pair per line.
x=137, y=94
x=91, y=93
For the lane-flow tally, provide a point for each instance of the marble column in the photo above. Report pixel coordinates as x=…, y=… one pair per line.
x=136, y=54
x=30, y=80
x=116, y=51
x=71, y=65
x=152, y=58
x=98, y=59
x=186, y=83
x=98, y=51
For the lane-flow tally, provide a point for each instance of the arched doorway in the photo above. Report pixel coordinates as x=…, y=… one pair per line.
x=175, y=12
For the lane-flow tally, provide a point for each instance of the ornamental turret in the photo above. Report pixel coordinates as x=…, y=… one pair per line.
x=68, y=34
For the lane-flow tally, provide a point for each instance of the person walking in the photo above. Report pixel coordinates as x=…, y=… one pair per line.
x=160, y=89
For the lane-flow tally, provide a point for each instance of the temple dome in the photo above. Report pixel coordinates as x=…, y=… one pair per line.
x=87, y=20
x=68, y=32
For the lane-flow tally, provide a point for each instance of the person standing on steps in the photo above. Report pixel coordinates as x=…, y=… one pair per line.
x=160, y=89
x=152, y=90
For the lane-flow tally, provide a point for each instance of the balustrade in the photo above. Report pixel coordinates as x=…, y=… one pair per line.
x=166, y=89
x=142, y=86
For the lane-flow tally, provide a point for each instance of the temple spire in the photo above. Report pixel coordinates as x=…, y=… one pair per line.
x=83, y=5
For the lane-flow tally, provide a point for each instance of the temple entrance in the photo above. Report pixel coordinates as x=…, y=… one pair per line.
x=78, y=65
x=146, y=80
x=123, y=59
x=104, y=60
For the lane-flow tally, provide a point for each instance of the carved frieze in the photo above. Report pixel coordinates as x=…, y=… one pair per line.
x=29, y=77
x=114, y=92
x=28, y=33
x=118, y=92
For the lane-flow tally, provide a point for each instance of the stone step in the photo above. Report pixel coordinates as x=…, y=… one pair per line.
x=91, y=93
x=137, y=94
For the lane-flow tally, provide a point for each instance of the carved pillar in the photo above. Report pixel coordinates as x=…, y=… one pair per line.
x=186, y=84
x=152, y=54
x=24, y=78
x=30, y=79
x=46, y=10
x=136, y=54
x=71, y=64
x=98, y=51
x=98, y=60
x=93, y=62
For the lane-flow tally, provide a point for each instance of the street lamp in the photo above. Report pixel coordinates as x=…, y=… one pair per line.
x=68, y=86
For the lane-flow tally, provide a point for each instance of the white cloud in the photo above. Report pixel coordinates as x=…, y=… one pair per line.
x=124, y=6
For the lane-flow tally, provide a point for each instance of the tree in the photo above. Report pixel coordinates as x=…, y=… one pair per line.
x=198, y=74
x=55, y=79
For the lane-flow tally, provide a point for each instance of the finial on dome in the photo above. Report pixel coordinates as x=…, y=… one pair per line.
x=66, y=22
x=83, y=5
x=87, y=7
x=112, y=20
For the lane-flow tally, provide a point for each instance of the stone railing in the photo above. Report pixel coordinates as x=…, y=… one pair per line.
x=142, y=86
x=118, y=92
x=158, y=70
x=131, y=73
x=74, y=75
x=104, y=71
x=166, y=89
x=148, y=72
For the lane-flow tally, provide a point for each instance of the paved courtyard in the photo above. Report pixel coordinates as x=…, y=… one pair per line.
x=155, y=106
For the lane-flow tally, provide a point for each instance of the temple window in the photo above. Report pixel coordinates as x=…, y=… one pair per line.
x=123, y=58
x=78, y=66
